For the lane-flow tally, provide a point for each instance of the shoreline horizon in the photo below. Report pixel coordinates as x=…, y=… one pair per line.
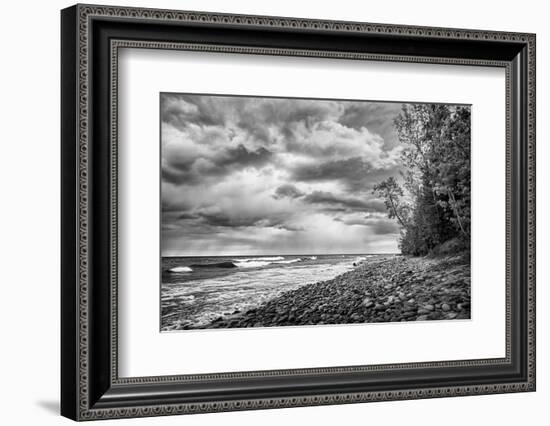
x=285, y=254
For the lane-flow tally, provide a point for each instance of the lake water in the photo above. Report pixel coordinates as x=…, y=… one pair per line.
x=197, y=290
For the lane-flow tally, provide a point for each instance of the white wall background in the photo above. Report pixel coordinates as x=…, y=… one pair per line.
x=29, y=215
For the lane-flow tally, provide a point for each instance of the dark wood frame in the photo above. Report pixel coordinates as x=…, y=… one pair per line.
x=91, y=37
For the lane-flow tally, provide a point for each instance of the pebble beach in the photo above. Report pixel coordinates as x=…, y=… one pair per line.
x=383, y=289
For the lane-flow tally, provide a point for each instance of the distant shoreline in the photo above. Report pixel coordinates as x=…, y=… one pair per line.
x=282, y=254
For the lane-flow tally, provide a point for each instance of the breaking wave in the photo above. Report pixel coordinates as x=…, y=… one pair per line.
x=259, y=262
x=251, y=262
x=180, y=269
x=272, y=258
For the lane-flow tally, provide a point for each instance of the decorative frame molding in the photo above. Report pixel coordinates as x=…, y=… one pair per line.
x=91, y=37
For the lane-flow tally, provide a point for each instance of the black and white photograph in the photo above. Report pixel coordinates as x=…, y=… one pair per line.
x=289, y=212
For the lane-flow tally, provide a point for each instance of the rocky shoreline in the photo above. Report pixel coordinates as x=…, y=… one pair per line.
x=381, y=289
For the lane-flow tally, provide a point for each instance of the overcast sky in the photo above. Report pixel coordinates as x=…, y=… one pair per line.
x=247, y=176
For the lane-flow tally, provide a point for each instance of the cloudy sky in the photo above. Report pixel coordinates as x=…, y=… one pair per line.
x=250, y=175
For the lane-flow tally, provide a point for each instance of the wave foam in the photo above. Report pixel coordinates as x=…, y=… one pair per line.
x=258, y=262
x=252, y=264
x=289, y=261
x=180, y=269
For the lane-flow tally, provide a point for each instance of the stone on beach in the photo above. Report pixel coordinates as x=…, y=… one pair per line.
x=368, y=303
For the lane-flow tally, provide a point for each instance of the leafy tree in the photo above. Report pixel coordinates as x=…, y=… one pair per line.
x=392, y=194
x=436, y=155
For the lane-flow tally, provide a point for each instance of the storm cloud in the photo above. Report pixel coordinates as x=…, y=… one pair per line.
x=347, y=202
x=251, y=175
x=287, y=190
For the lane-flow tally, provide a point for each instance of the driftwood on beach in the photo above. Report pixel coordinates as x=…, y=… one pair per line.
x=382, y=289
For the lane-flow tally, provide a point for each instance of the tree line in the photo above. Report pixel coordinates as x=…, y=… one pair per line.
x=431, y=200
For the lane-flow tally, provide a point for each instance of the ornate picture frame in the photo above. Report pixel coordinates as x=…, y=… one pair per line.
x=91, y=37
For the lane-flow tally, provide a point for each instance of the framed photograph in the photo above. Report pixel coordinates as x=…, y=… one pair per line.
x=263, y=212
